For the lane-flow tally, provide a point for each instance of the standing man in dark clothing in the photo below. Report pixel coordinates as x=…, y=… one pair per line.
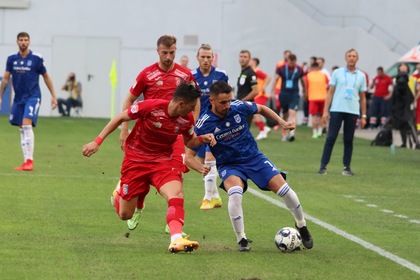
x=290, y=74
x=247, y=81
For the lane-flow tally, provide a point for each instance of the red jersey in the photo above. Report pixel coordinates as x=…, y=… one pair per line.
x=381, y=85
x=155, y=83
x=155, y=131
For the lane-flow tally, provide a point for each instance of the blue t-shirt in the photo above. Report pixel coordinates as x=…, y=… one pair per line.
x=235, y=143
x=346, y=93
x=25, y=75
x=204, y=83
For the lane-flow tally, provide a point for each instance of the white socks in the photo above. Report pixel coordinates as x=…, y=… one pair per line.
x=235, y=212
x=292, y=202
x=27, y=141
x=210, y=182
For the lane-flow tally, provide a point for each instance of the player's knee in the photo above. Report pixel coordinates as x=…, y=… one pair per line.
x=125, y=215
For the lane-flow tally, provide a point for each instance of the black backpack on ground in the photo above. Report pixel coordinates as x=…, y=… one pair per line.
x=383, y=138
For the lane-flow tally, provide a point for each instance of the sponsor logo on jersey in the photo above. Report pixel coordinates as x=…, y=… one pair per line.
x=158, y=113
x=134, y=109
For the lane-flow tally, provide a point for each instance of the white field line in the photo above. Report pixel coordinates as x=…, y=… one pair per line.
x=344, y=234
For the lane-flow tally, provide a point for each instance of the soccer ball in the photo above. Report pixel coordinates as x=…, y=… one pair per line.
x=287, y=240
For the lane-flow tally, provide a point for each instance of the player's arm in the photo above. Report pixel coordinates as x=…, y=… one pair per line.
x=196, y=112
x=303, y=84
x=92, y=147
x=195, y=141
x=270, y=114
x=4, y=83
x=273, y=86
x=129, y=100
x=266, y=82
x=192, y=162
x=327, y=104
x=250, y=96
x=50, y=86
x=362, y=100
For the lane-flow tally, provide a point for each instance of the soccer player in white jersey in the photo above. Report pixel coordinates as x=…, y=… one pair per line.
x=238, y=158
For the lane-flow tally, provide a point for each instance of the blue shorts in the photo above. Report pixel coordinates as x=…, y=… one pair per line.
x=27, y=110
x=289, y=101
x=259, y=169
x=203, y=149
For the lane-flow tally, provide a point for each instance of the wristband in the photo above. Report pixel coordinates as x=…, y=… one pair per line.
x=200, y=138
x=364, y=116
x=98, y=140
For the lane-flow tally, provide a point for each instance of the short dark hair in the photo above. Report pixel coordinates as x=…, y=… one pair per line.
x=220, y=87
x=257, y=61
x=380, y=68
x=292, y=57
x=23, y=34
x=166, y=40
x=246, y=51
x=315, y=65
x=187, y=92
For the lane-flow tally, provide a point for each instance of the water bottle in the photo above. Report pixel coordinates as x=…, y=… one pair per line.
x=392, y=149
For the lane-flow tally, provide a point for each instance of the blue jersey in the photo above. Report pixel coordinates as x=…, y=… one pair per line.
x=25, y=73
x=204, y=83
x=235, y=143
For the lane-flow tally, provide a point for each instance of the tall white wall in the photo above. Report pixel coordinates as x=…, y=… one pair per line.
x=265, y=27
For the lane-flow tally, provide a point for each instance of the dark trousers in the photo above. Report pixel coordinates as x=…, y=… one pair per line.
x=64, y=105
x=336, y=118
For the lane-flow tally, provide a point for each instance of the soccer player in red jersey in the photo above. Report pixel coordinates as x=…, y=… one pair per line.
x=159, y=81
x=148, y=156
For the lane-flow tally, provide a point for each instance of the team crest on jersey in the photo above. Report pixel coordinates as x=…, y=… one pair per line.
x=157, y=124
x=178, y=80
x=125, y=189
x=29, y=62
x=237, y=118
x=159, y=83
x=177, y=128
x=134, y=108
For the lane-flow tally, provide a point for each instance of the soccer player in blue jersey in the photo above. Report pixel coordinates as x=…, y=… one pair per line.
x=25, y=68
x=238, y=158
x=205, y=75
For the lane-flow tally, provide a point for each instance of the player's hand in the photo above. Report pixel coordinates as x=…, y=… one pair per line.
x=209, y=138
x=324, y=119
x=90, y=148
x=205, y=169
x=54, y=103
x=123, y=136
x=289, y=125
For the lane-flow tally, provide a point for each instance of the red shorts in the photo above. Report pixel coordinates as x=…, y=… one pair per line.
x=261, y=100
x=316, y=107
x=136, y=177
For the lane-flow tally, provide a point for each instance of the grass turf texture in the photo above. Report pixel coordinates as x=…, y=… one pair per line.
x=57, y=221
